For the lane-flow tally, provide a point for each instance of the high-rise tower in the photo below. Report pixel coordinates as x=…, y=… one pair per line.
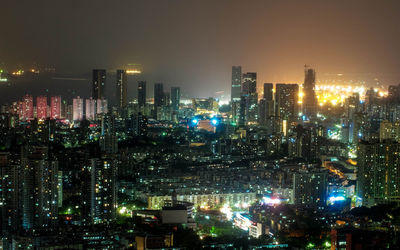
x=249, y=97
x=41, y=107
x=77, y=109
x=286, y=98
x=99, y=83
x=122, y=88
x=236, y=88
x=310, y=100
x=55, y=107
x=236, y=83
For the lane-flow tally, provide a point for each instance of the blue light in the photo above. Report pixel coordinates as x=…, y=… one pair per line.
x=332, y=199
x=214, y=121
x=195, y=121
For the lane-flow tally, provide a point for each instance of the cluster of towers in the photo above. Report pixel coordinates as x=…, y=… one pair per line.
x=42, y=107
x=284, y=103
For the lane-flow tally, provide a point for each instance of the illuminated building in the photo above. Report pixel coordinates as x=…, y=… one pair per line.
x=122, y=88
x=90, y=110
x=286, y=99
x=142, y=93
x=99, y=83
x=236, y=90
x=386, y=131
x=55, y=107
x=27, y=108
x=257, y=229
x=249, y=83
x=310, y=188
x=208, y=125
x=175, y=98
x=102, y=106
x=39, y=190
x=41, y=107
x=378, y=172
x=236, y=84
x=310, y=99
x=205, y=105
x=205, y=201
x=100, y=196
x=77, y=109
x=67, y=110
x=10, y=183
x=249, y=98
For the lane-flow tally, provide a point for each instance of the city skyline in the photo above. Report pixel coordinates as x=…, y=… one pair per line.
x=200, y=124
x=274, y=45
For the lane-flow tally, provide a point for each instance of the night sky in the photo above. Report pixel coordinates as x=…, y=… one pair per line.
x=193, y=44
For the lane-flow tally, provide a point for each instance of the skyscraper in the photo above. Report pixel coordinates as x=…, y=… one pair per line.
x=378, y=172
x=266, y=106
x=249, y=85
x=175, y=98
x=158, y=94
x=10, y=183
x=286, y=98
x=99, y=83
x=41, y=107
x=249, y=93
x=142, y=93
x=122, y=88
x=90, y=109
x=99, y=200
x=77, y=109
x=310, y=99
x=236, y=89
x=27, y=108
x=310, y=188
x=55, y=107
x=102, y=106
x=39, y=189
x=236, y=83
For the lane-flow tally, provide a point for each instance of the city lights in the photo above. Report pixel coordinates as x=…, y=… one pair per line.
x=237, y=125
x=271, y=201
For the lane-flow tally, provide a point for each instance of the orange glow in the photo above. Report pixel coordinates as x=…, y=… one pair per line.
x=133, y=71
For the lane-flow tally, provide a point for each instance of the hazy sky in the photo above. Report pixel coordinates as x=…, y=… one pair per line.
x=193, y=44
